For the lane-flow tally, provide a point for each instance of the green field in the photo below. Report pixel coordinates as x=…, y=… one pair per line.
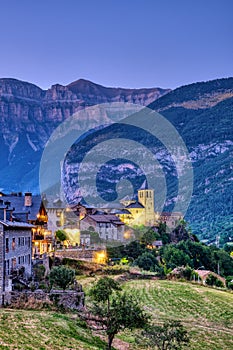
x=207, y=314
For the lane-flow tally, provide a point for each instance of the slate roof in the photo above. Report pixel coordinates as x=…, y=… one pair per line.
x=54, y=203
x=17, y=202
x=105, y=218
x=158, y=243
x=16, y=224
x=173, y=214
x=135, y=205
x=123, y=211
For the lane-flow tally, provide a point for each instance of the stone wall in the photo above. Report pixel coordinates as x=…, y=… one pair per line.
x=76, y=254
x=68, y=300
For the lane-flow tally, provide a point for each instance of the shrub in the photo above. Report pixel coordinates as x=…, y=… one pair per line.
x=212, y=280
x=62, y=276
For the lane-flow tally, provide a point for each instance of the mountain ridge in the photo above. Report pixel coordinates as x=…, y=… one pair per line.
x=201, y=112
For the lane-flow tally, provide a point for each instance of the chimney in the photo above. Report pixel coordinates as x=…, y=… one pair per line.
x=28, y=199
x=4, y=215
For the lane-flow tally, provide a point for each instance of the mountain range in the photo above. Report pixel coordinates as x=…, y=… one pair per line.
x=201, y=112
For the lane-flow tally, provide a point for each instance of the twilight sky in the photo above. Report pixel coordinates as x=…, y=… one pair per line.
x=127, y=43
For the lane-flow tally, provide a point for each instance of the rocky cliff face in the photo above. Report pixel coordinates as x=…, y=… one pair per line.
x=28, y=116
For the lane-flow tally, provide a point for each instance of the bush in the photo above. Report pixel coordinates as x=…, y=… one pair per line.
x=39, y=272
x=62, y=276
x=116, y=269
x=229, y=282
x=147, y=261
x=212, y=280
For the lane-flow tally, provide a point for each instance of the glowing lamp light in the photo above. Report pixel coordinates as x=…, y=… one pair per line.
x=100, y=257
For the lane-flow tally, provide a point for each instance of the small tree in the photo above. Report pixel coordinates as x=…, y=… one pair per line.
x=171, y=336
x=149, y=237
x=60, y=235
x=61, y=276
x=115, y=311
x=39, y=272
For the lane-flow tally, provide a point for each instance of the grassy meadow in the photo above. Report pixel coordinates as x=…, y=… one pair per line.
x=207, y=314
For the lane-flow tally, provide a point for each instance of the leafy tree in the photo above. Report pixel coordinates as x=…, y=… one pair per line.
x=60, y=235
x=115, y=311
x=146, y=261
x=133, y=250
x=175, y=257
x=171, y=336
x=164, y=235
x=149, y=236
x=61, y=276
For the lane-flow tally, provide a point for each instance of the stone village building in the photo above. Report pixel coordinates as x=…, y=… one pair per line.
x=30, y=209
x=108, y=226
x=15, y=253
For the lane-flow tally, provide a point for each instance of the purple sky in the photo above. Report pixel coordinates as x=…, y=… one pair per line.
x=127, y=43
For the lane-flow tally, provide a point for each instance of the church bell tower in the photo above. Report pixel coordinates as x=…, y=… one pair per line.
x=146, y=198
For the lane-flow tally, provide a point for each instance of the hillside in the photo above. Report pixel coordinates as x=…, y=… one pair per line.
x=205, y=312
x=203, y=113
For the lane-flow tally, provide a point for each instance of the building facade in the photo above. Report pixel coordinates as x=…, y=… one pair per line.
x=142, y=211
x=108, y=226
x=15, y=253
x=30, y=209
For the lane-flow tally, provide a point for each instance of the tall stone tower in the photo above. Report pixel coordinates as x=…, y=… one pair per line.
x=146, y=198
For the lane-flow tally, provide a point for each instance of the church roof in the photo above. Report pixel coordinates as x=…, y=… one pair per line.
x=144, y=186
x=135, y=205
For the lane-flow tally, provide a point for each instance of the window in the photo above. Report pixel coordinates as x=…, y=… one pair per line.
x=29, y=242
x=7, y=267
x=13, y=263
x=7, y=245
x=13, y=243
